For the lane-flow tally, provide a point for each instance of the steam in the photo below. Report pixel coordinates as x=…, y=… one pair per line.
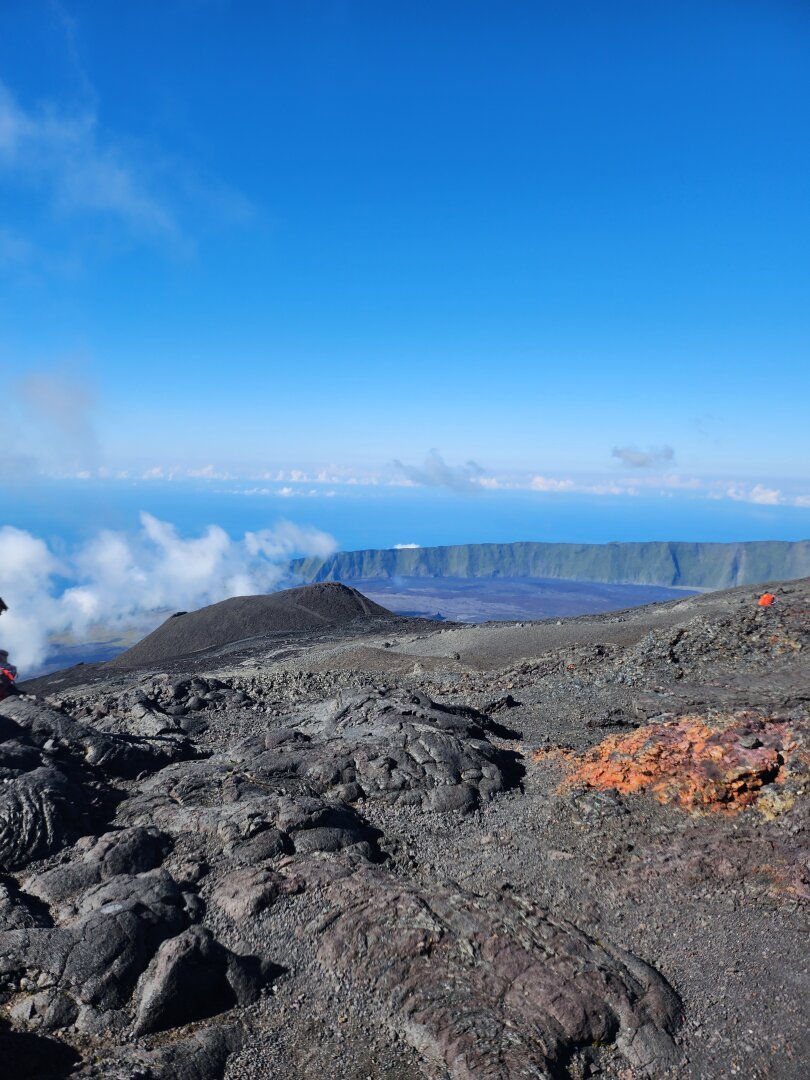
x=122, y=581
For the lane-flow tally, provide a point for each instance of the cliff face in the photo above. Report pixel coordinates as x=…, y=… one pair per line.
x=699, y=566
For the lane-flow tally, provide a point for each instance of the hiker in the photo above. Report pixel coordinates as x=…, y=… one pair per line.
x=8, y=673
x=766, y=599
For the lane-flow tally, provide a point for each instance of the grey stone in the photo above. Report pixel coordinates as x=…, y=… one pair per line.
x=246, y=892
x=193, y=977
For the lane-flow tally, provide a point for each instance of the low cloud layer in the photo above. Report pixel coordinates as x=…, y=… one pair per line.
x=644, y=459
x=435, y=472
x=122, y=581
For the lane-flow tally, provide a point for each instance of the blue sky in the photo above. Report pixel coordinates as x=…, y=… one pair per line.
x=567, y=243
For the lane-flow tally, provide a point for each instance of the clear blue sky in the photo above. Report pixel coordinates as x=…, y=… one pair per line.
x=285, y=235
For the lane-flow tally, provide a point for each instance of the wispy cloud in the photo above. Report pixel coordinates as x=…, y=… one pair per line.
x=15, y=250
x=644, y=459
x=28, y=261
x=48, y=422
x=65, y=155
x=63, y=399
x=62, y=155
x=435, y=472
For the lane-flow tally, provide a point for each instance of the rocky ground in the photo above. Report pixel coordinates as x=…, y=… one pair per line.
x=395, y=848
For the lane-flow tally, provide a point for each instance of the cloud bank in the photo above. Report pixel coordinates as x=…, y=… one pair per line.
x=127, y=581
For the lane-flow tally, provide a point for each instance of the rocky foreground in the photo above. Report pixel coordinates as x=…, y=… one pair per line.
x=382, y=847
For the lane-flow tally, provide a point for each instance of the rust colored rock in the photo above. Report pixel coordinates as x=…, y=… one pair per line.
x=715, y=763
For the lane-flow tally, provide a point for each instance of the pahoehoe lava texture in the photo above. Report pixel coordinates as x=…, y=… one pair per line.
x=492, y=988
x=363, y=846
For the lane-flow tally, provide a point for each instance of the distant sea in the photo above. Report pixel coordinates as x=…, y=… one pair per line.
x=67, y=512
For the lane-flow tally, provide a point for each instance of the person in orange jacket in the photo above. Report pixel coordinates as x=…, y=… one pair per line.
x=766, y=599
x=8, y=673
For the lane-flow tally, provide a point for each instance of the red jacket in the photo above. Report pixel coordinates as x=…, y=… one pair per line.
x=7, y=676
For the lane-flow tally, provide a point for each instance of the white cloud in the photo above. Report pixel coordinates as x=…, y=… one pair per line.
x=567, y=486
x=292, y=493
x=759, y=494
x=406, y=547
x=765, y=496
x=27, y=569
x=548, y=483
x=288, y=539
x=122, y=580
x=209, y=472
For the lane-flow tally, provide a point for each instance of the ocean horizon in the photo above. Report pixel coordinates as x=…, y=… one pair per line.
x=377, y=516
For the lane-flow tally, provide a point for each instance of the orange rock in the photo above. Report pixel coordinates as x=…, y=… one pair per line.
x=720, y=763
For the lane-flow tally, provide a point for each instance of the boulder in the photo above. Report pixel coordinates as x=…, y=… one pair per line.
x=192, y=977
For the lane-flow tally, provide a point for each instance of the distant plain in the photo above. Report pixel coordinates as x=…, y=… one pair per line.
x=476, y=600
